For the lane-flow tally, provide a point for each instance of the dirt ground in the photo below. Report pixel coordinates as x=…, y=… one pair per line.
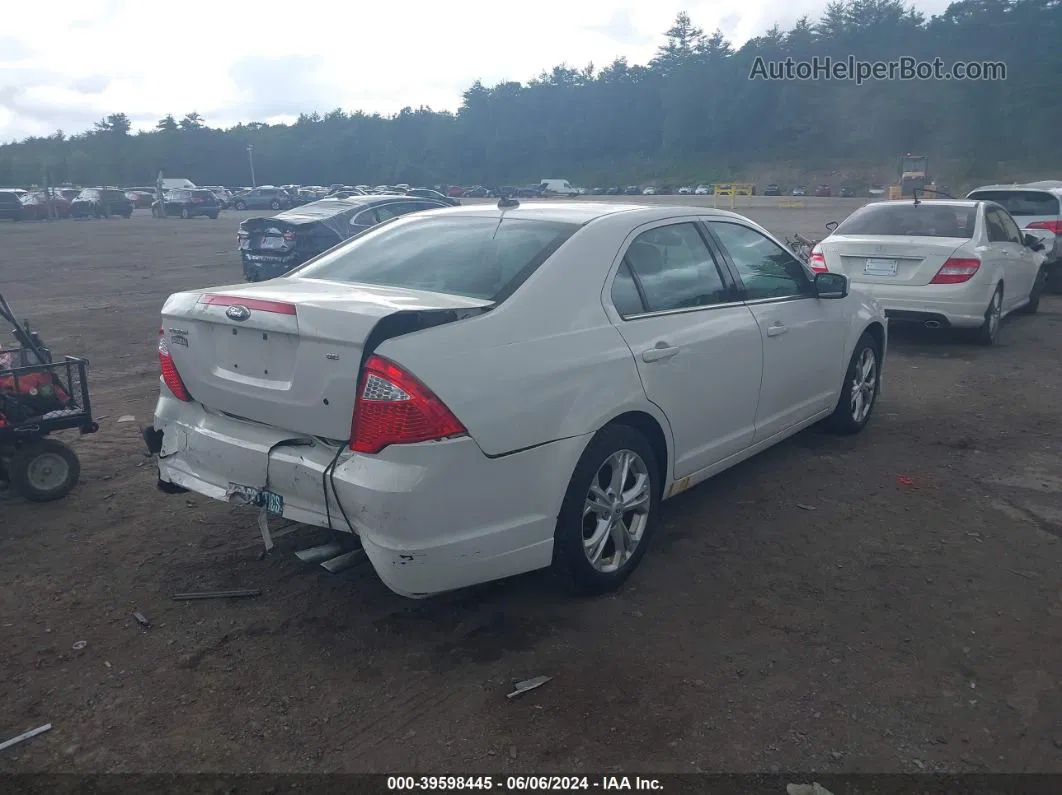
x=883, y=603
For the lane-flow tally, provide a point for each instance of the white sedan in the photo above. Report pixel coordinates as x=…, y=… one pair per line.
x=482, y=391
x=958, y=264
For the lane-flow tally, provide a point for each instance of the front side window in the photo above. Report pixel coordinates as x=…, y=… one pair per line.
x=472, y=257
x=673, y=269
x=767, y=270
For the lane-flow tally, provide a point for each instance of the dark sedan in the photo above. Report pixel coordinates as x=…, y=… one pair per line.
x=187, y=203
x=262, y=199
x=101, y=203
x=270, y=247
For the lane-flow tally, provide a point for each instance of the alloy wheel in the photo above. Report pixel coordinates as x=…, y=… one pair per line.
x=616, y=511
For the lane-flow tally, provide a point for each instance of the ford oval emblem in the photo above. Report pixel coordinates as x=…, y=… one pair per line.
x=237, y=313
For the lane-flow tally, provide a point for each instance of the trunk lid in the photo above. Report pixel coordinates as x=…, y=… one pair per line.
x=902, y=261
x=272, y=236
x=292, y=362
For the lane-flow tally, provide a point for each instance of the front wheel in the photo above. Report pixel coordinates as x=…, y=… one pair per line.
x=44, y=470
x=214, y=216
x=274, y=204
x=607, y=516
x=240, y=205
x=860, y=391
x=185, y=214
x=1035, y=293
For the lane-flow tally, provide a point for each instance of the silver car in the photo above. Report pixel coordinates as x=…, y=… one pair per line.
x=477, y=392
x=1034, y=205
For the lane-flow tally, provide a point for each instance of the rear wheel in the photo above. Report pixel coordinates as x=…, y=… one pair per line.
x=1034, y=294
x=240, y=205
x=989, y=330
x=185, y=214
x=860, y=391
x=44, y=470
x=274, y=204
x=607, y=517
x=214, y=216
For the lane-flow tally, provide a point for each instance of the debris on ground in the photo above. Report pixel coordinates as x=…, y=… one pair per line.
x=25, y=736
x=903, y=480
x=185, y=597
x=127, y=418
x=807, y=789
x=803, y=507
x=80, y=645
x=142, y=620
x=528, y=684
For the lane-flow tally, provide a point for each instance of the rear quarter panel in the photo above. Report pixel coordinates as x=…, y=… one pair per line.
x=546, y=364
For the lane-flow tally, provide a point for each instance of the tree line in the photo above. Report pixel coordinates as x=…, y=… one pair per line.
x=692, y=113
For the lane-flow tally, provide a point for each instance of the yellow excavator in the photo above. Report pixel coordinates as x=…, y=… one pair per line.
x=914, y=175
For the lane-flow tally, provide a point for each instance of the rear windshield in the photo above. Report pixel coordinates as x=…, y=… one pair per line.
x=113, y=195
x=1020, y=202
x=471, y=257
x=203, y=194
x=908, y=220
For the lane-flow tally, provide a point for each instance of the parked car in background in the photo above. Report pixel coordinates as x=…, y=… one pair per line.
x=39, y=205
x=101, y=203
x=615, y=190
x=823, y=191
x=438, y=334
x=800, y=190
x=1033, y=206
x=649, y=191
x=478, y=192
x=265, y=198
x=553, y=186
x=632, y=190
x=270, y=247
x=703, y=190
x=938, y=263
x=847, y=193
x=10, y=205
x=428, y=193
x=772, y=190
x=142, y=198
x=187, y=203
x=67, y=193
x=222, y=194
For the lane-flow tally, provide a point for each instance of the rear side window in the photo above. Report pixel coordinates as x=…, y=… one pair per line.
x=114, y=195
x=674, y=270
x=907, y=220
x=1020, y=202
x=472, y=257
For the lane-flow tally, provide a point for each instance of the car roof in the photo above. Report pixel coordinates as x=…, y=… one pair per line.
x=1050, y=186
x=969, y=203
x=579, y=212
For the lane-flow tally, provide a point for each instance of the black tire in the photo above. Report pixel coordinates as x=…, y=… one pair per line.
x=1034, y=294
x=240, y=205
x=185, y=214
x=988, y=332
x=214, y=216
x=35, y=461
x=274, y=204
x=1054, y=278
x=570, y=562
x=127, y=216
x=846, y=419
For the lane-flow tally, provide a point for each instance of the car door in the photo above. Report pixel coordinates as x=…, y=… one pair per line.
x=1020, y=262
x=803, y=337
x=1007, y=248
x=697, y=348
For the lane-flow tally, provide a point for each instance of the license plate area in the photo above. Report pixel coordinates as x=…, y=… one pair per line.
x=261, y=498
x=879, y=267
x=268, y=357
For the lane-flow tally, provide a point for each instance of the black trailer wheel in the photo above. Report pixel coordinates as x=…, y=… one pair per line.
x=44, y=470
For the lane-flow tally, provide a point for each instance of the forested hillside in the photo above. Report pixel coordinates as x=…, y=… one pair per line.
x=692, y=113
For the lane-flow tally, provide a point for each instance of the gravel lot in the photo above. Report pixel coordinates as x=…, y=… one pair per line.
x=890, y=628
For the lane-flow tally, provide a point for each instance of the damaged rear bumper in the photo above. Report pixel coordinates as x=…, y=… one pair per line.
x=431, y=517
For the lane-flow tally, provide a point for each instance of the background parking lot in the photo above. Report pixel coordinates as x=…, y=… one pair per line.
x=886, y=602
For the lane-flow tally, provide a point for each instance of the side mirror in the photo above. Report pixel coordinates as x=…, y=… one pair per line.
x=831, y=225
x=831, y=285
x=1038, y=239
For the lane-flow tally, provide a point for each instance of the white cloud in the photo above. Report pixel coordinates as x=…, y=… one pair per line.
x=269, y=60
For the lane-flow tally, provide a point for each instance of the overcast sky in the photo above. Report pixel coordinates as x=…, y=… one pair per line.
x=64, y=64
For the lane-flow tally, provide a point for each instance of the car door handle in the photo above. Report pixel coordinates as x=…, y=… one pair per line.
x=659, y=354
x=776, y=330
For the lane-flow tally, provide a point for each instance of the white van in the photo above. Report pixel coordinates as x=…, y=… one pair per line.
x=177, y=184
x=558, y=187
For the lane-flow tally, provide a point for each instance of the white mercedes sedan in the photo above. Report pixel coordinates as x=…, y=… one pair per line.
x=940, y=263
x=482, y=391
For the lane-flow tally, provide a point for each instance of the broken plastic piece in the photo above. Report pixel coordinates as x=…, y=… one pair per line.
x=529, y=684
x=807, y=789
x=127, y=418
x=25, y=736
x=186, y=597
x=803, y=507
x=80, y=645
x=903, y=480
x=142, y=620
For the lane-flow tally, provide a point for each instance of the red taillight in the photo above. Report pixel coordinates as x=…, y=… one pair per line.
x=956, y=271
x=1050, y=226
x=170, y=376
x=817, y=260
x=289, y=235
x=277, y=307
x=393, y=407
